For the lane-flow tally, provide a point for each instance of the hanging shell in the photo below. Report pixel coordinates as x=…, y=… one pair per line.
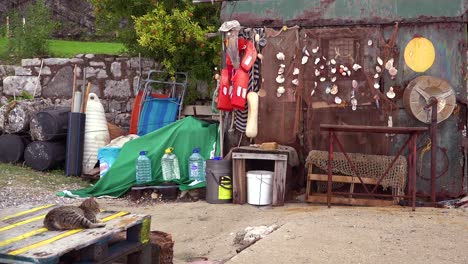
x=354, y=83
x=317, y=60
x=345, y=68
x=356, y=67
x=315, y=50
x=260, y=56
x=333, y=61
x=378, y=69
x=305, y=59
x=280, y=79
x=322, y=79
x=296, y=71
x=376, y=76
x=328, y=90
x=295, y=82
x=315, y=85
x=379, y=61
x=257, y=37
x=306, y=52
x=369, y=42
x=281, y=69
x=376, y=85
x=317, y=72
x=281, y=90
x=353, y=103
x=349, y=73
x=322, y=67
x=280, y=56
x=312, y=92
x=393, y=71
x=391, y=93
x=338, y=100
x=333, y=79
x=389, y=64
x=334, y=89
x=333, y=70
x=343, y=73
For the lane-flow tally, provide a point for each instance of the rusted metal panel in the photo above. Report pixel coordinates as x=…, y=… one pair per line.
x=341, y=12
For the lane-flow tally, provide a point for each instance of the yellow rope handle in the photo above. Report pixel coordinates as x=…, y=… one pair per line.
x=423, y=151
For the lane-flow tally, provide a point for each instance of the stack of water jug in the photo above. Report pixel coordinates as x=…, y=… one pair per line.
x=170, y=167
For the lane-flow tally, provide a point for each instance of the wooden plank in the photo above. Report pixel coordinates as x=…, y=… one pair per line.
x=260, y=156
x=279, y=182
x=339, y=178
x=239, y=184
x=196, y=110
x=28, y=211
x=349, y=201
x=372, y=129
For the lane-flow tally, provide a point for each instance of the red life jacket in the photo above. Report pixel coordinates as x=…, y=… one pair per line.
x=224, y=93
x=240, y=85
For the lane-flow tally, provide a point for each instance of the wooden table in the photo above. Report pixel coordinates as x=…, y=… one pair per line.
x=239, y=155
x=410, y=142
x=23, y=239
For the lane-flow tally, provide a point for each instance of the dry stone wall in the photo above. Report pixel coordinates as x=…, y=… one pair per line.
x=113, y=78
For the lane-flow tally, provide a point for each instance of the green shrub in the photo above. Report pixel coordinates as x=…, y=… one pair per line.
x=29, y=39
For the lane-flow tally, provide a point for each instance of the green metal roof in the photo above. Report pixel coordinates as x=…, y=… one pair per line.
x=336, y=12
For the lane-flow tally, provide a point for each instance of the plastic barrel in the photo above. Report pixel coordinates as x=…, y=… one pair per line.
x=12, y=148
x=44, y=155
x=50, y=124
x=218, y=181
x=75, y=140
x=259, y=187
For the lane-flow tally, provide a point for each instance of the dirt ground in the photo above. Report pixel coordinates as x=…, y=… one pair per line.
x=310, y=233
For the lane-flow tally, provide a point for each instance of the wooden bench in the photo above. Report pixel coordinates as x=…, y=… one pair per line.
x=23, y=239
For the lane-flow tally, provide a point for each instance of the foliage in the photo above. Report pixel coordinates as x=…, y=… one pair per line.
x=29, y=39
x=172, y=32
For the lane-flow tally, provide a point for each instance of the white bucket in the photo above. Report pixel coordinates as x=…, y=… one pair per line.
x=259, y=187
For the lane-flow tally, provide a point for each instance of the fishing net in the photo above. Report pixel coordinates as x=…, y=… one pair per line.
x=369, y=166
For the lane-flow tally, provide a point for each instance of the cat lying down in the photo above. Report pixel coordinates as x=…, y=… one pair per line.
x=73, y=217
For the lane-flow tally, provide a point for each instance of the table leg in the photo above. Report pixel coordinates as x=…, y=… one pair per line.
x=239, y=187
x=330, y=160
x=279, y=180
x=414, y=149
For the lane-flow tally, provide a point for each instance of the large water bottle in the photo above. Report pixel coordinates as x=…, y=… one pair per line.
x=143, y=169
x=196, y=166
x=170, y=165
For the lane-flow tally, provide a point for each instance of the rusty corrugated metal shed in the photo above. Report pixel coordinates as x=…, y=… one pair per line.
x=339, y=12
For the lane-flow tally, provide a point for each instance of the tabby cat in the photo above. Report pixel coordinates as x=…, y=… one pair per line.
x=73, y=217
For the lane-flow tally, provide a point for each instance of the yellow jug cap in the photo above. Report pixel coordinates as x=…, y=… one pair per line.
x=169, y=150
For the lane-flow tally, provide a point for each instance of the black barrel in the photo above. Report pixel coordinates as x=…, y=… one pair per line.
x=44, y=155
x=75, y=139
x=50, y=124
x=12, y=148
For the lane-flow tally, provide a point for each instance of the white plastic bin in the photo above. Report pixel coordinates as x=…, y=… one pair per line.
x=259, y=187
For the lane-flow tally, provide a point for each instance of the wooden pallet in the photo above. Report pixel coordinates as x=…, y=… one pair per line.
x=23, y=239
x=322, y=197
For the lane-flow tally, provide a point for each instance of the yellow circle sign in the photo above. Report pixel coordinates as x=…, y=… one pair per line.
x=419, y=54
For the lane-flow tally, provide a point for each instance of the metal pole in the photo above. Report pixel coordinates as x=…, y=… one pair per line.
x=330, y=160
x=433, y=150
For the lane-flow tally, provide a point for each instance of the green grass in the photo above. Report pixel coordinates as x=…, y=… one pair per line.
x=53, y=180
x=65, y=48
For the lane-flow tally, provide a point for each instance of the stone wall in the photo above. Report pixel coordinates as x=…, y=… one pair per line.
x=113, y=78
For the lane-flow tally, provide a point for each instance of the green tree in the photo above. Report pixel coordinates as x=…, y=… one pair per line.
x=172, y=32
x=29, y=36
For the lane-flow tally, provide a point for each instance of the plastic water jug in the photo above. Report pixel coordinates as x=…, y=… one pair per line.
x=170, y=166
x=196, y=166
x=143, y=169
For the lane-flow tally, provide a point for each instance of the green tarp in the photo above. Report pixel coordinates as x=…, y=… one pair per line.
x=184, y=135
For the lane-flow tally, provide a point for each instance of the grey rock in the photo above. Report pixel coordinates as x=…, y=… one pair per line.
x=94, y=87
x=3, y=100
x=79, y=56
x=63, y=102
x=115, y=106
x=45, y=70
x=6, y=70
x=30, y=62
x=146, y=63
x=105, y=104
x=56, y=61
x=45, y=81
x=110, y=117
x=130, y=103
x=116, y=69
x=89, y=56
x=76, y=61
x=14, y=85
x=91, y=72
x=97, y=64
x=117, y=89
x=135, y=85
x=102, y=74
x=109, y=59
x=122, y=119
x=21, y=71
x=61, y=84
